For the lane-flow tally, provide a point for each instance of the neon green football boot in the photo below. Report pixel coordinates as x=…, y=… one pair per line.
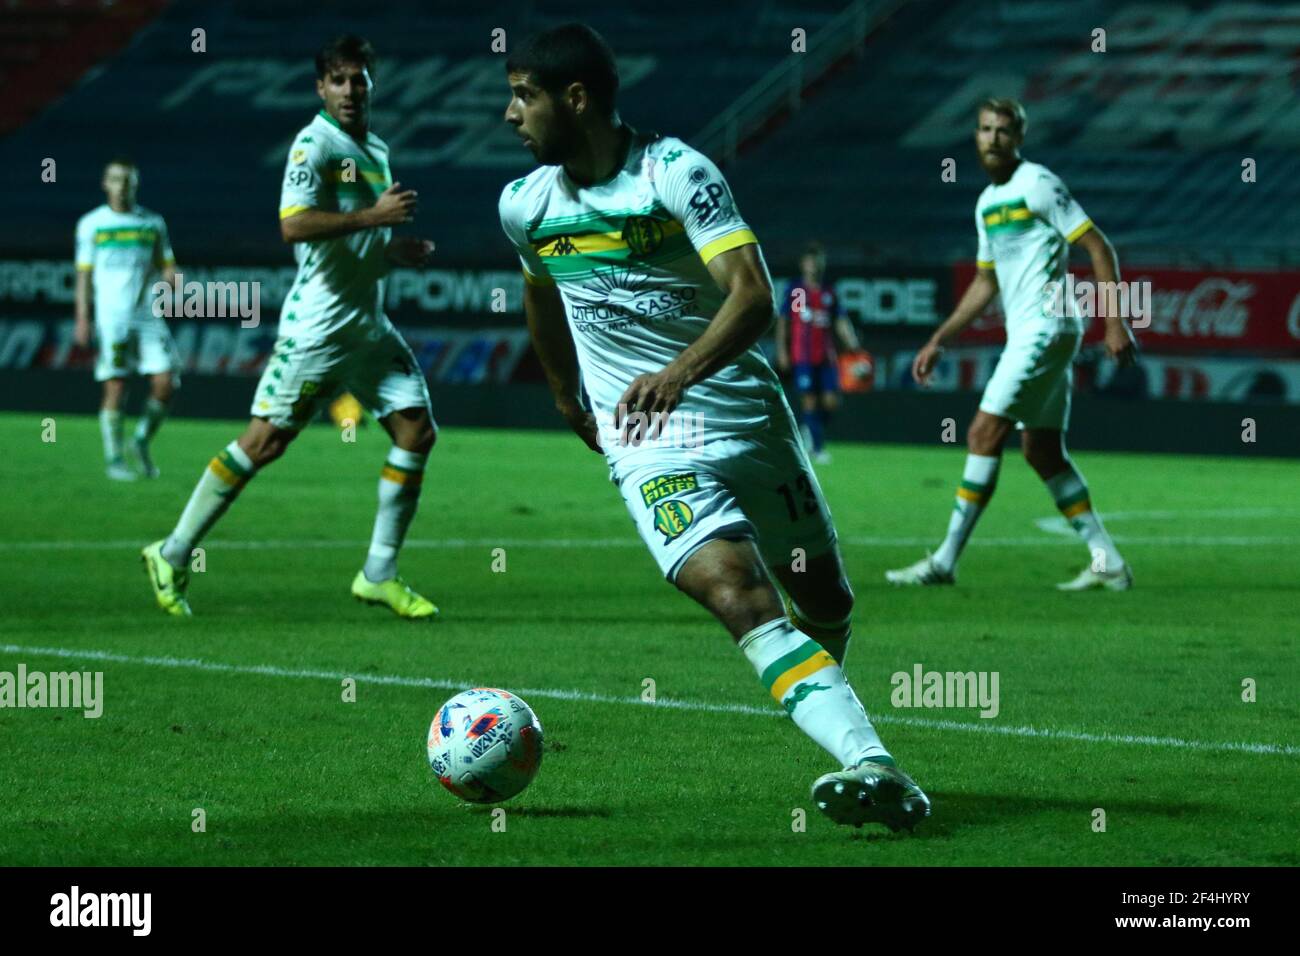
x=396, y=594
x=169, y=583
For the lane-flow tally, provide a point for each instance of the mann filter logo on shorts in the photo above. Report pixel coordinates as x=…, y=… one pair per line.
x=643, y=235
x=672, y=518
x=665, y=486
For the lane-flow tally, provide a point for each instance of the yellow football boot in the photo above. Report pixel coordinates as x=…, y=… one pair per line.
x=169, y=584
x=396, y=594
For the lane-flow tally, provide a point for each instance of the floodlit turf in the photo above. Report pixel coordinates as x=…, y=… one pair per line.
x=288, y=773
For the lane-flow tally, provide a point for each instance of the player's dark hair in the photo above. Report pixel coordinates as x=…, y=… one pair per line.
x=569, y=53
x=814, y=248
x=1008, y=107
x=348, y=48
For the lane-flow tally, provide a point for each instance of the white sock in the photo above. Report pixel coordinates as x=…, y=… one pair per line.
x=221, y=483
x=832, y=635
x=110, y=430
x=1070, y=493
x=807, y=682
x=399, y=496
x=978, y=480
x=154, y=413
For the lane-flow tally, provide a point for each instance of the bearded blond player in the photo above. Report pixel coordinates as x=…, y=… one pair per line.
x=1026, y=221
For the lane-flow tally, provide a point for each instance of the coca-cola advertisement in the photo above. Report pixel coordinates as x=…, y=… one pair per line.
x=1183, y=310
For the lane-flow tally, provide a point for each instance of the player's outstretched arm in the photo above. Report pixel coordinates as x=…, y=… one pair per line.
x=973, y=302
x=1120, y=344
x=744, y=317
x=549, y=330
x=393, y=207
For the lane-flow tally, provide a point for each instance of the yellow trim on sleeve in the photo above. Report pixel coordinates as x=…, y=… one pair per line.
x=983, y=264
x=732, y=240
x=169, y=261
x=85, y=267
x=1082, y=228
x=288, y=211
x=536, y=280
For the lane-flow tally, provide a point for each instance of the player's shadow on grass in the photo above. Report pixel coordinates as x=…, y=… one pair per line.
x=951, y=812
x=577, y=813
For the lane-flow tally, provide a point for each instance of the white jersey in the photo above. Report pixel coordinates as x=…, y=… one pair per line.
x=1025, y=228
x=340, y=282
x=629, y=255
x=124, y=252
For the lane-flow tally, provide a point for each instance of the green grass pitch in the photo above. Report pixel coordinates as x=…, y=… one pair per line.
x=1129, y=703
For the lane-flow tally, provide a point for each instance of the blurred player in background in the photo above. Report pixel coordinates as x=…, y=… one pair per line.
x=122, y=250
x=1026, y=221
x=643, y=283
x=806, y=328
x=338, y=203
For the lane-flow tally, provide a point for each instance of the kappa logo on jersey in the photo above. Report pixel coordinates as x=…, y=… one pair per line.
x=672, y=518
x=665, y=486
x=562, y=246
x=670, y=157
x=643, y=235
x=710, y=205
x=517, y=185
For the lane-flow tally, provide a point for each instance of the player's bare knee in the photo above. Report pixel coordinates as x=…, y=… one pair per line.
x=425, y=438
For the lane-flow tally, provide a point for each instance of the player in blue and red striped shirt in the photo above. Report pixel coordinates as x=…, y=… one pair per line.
x=805, y=343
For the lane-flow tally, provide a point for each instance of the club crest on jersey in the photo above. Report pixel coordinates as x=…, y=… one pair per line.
x=298, y=157
x=672, y=518
x=665, y=486
x=643, y=235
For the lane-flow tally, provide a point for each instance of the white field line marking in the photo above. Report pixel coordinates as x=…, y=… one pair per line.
x=632, y=541
x=1056, y=524
x=429, y=683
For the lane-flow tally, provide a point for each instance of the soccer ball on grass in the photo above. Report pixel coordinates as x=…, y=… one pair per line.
x=485, y=745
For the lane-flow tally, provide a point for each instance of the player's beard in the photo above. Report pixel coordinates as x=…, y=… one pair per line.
x=561, y=143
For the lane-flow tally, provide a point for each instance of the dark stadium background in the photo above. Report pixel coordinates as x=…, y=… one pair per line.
x=843, y=143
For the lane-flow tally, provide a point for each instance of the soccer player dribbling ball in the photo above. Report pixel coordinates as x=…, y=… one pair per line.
x=122, y=250
x=338, y=204
x=806, y=328
x=644, y=284
x=1026, y=221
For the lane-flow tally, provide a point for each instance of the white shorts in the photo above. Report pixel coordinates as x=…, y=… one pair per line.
x=376, y=366
x=1031, y=383
x=758, y=486
x=135, y=347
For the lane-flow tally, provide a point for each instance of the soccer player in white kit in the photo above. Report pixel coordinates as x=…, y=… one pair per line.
x=338, y=203
x=1026, y=221
x=644, y=285
x=122, y=250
